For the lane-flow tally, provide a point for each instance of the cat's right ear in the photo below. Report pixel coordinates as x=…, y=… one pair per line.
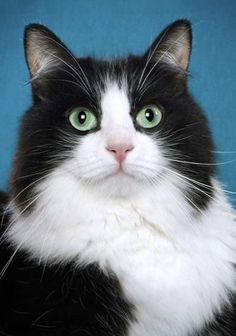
x=173, y=46
x=43, y=49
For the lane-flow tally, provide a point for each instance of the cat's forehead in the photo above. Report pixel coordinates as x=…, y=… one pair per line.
x=127, y=76
x=107, y=83
x=103, y=72
x=115, y=103
x=112, y=69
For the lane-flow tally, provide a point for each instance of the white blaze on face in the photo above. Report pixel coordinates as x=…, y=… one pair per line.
x=117, y=125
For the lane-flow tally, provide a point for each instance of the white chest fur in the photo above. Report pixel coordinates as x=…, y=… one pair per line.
x=175, y=268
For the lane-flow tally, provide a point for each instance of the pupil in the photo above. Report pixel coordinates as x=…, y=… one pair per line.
x=149, y=114
x=82, y=117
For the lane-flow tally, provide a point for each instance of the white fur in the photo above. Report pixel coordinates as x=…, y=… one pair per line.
x=175, y=268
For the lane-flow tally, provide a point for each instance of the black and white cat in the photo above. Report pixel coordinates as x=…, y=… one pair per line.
x=115, y=223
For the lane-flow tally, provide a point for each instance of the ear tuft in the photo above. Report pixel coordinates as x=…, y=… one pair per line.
x=43, y=49
x=173, y=45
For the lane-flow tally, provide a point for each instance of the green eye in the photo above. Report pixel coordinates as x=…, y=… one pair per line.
x=82, y=119
x=149, y=116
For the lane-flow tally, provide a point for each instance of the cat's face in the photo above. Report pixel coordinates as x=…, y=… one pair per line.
x=117, y=126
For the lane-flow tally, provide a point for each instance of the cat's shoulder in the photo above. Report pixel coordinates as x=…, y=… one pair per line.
x=57, y=300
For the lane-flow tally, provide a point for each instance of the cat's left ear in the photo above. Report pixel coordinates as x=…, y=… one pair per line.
x=173, y=46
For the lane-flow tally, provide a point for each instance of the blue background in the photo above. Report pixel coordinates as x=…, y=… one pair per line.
x=114, y=28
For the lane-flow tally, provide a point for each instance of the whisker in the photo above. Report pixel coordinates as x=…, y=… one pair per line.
x=69, y=66
x=164, y=54
x=68, y=81
x=224, y=152
x=3, y=237
x=161, y=57
x=203, y=163
x=149, y=59
x=6, y=266
x=74, y=58
x=189, y=182
x=155, y=79
x=186, y=214
x=14, y=199
x=77, y=77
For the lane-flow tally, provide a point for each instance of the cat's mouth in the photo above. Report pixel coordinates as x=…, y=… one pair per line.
x=125, y=173
x=118, y=176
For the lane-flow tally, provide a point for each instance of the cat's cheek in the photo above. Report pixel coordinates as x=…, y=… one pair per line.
x=91, y=159
x=147, y=158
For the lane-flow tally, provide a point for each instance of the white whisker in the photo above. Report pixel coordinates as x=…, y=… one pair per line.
x=203, y=163
x=151, y=54
x=70, y=54
x=6, y=266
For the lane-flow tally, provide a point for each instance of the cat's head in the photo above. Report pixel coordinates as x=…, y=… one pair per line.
x=118, y=126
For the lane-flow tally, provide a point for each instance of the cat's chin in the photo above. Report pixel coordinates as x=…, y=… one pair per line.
x=119, y=184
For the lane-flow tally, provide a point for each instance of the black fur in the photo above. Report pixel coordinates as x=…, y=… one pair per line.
x=60, y=300
x=224, y=323
x=4, y=217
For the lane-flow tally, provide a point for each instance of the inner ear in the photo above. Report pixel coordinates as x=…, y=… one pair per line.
x=44, y=51
x=173, y=45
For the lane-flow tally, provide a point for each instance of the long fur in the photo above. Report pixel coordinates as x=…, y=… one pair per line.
x=90, y=246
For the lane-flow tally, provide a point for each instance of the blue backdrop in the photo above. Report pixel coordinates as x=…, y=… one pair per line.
x=113, y=28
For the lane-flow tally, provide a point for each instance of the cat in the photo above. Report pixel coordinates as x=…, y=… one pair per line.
x=114, y=223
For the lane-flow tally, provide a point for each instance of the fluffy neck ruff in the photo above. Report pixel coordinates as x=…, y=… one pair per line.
x=163, y=254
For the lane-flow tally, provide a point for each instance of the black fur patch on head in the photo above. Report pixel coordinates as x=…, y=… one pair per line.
x=158, y=77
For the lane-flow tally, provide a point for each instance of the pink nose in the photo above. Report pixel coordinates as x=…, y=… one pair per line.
x=120, y=151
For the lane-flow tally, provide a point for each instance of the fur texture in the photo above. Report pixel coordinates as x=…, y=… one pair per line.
x=96, y=246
